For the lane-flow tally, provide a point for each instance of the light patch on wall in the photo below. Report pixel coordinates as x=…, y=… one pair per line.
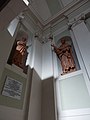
x=74, y=93
x=26, y=2
x=47, y=65
x=12, y=26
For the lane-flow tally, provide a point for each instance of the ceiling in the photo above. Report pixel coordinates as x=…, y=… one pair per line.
x=46, y=10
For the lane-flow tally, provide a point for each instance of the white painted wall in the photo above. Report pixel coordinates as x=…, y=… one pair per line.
x=88, y=23
x=82, y=36
x=35, y=98
x=55, y=65
x=47, y=67
x=74, y=93
x=12, y=26
x=86, y=117
x=37, y=53
x=30, y=50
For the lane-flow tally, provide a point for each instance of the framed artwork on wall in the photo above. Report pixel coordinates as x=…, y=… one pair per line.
x=12, y=88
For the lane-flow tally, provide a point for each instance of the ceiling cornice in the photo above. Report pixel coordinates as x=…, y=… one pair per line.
x=60, y=15
x=36, y=19
x=61, y=12
x=36, y=14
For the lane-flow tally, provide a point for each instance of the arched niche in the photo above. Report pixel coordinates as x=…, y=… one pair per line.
x=18, y=55
x=69, y=42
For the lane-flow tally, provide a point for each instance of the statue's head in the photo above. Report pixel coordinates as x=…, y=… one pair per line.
x=24, y=39
x=63, y=40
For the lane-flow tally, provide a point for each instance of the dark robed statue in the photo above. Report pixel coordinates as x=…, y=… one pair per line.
x=20, y=53
x=64, y=53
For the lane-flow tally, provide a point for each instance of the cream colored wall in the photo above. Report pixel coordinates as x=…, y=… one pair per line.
x=10, y=113
x=34, y=112
x=74, y=93
x=27, y=94
x=48, y=102
x=5, y=47
x=47, y=66
x=37, y=57
x=82, y=35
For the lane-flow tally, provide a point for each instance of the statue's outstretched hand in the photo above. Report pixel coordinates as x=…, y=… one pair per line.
x=52, y=45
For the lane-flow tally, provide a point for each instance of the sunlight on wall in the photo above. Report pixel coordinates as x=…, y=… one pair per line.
x=47, y=66
x=12, y=26
x=26, y=2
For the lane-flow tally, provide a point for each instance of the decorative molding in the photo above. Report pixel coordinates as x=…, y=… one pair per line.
x=56, y=19
x=70, y=75
x=60, y=30
x=59, y=15
x=76, y=7
x=16, y=69
x=40, y=37
x=75, y=112
x=36, y=14
x=73, y=6
x=78, y=19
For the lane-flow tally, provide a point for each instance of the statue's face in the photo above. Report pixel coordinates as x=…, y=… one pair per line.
x=24, y=39
x=62, y=41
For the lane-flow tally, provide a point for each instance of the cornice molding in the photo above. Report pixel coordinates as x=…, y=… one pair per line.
x=36, y=14
x=78, y=19
x=60, y=14
x=65, y=11
x=55, y=20
x=81, y=3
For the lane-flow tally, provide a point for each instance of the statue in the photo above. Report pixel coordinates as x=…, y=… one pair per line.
x=64, y=53
x=20, y=53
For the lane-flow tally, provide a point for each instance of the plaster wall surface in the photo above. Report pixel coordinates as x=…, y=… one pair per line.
x=35, y=98
x=47, y=66
x=37, y=57
x=48, y=103
x=5, y=48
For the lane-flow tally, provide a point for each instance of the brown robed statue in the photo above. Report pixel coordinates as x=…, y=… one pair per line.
x=64, y=53
x=20, y=53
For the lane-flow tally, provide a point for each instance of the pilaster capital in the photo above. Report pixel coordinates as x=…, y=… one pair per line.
x=77, y=20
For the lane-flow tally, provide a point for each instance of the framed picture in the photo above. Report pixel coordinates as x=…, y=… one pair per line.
x=12, y=88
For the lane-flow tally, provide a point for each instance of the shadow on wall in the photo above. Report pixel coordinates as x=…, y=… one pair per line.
x=3, y=3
